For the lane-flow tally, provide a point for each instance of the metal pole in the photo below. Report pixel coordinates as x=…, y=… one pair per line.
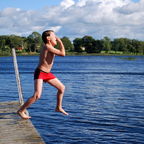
x=21, y=101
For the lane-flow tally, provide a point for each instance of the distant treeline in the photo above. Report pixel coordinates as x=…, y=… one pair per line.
x=86, y=44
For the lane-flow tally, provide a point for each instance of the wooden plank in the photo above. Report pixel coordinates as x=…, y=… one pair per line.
x=13, y=129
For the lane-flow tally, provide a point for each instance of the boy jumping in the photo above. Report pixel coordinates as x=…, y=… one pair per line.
x=43, y=73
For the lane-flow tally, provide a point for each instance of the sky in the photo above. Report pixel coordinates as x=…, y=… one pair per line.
x=74, y=18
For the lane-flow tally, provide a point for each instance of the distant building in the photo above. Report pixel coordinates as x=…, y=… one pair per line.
x=19, y=48
x=83, y=48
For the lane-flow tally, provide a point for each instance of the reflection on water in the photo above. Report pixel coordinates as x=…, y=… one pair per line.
x=104, y=96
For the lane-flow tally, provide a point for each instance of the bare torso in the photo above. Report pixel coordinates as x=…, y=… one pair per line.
x=46, y=59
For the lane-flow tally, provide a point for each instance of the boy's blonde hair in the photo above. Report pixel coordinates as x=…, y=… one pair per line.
x=45, y=34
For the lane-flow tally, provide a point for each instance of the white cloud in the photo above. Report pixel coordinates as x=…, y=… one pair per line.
x=67, y=3
x=98, y=18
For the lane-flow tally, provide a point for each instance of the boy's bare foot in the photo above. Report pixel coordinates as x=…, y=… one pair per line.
x=23, y=115
x=61, y=110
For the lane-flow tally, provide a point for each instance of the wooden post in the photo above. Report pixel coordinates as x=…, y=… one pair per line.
x=21, y=101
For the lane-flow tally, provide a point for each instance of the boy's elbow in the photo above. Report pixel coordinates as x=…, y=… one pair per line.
x=63, y=54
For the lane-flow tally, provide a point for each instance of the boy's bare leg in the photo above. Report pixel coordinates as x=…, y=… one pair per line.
x=59, y=104
x=57, y=84
x=38, y=90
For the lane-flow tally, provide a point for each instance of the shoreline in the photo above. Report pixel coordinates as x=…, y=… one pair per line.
x=76, y=54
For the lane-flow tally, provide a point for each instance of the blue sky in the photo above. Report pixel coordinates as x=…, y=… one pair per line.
x=28, y=4
x=74, y=18
x=31, y=4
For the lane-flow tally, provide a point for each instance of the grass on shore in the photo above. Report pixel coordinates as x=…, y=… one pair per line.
x=103, y=53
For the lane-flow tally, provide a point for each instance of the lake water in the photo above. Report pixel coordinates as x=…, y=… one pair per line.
x=104, y=97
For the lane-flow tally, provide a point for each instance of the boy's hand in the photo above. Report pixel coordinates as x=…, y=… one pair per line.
x=58, y=39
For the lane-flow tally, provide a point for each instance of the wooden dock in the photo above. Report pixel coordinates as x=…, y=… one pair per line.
x=13, y=129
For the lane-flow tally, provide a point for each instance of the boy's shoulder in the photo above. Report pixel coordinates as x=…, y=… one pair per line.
x=46, y=46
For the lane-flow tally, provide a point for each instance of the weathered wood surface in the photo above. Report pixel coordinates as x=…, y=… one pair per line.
x=13, y=129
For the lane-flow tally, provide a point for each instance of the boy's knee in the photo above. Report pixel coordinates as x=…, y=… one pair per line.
x=37, y=95
x=62, y=89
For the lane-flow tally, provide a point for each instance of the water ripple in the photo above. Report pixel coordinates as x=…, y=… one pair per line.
x=104, y=97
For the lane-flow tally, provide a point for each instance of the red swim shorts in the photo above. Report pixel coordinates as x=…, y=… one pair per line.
x=39, y=74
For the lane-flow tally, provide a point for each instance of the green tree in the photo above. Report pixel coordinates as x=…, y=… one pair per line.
x=9, y=42
x=89, y=44
x=120, y=45
x=67, y=43
x=78, y=45
x=107, y=45
x=98, y=45
x=2, y=44
x=34, y=42
x=138, y=45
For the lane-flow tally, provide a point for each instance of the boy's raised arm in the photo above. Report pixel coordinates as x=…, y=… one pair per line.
x=60, y=51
